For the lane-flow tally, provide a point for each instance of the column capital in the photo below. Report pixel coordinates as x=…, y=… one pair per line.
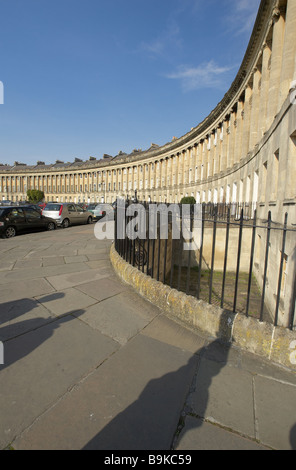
x=277, y=12
x=267, y=44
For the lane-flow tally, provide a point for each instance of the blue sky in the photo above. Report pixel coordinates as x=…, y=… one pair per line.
x=87, y=77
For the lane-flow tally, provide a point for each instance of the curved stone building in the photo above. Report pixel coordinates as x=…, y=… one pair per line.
x=244, y=151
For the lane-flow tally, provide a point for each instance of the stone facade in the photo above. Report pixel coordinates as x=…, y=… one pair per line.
x=244, y=151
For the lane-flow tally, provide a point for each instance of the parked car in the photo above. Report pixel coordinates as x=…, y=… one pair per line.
x=6, y=203
x=17, y=219
x=101, y=210
x=67, y=213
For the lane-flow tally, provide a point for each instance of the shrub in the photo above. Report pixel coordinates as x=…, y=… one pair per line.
x=34, y=195
x=188, y=200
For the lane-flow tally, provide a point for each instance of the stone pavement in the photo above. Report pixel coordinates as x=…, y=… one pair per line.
x=88, y=364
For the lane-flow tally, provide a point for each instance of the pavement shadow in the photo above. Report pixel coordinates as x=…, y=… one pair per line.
x=24, y=330
x=293, y=437
x=150, y=422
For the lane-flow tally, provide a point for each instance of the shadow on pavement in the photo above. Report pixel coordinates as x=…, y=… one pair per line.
x=10, y=311
x=150, y=422
x=293, y=437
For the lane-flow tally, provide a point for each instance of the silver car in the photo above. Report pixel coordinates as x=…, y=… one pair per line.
x=67, y=213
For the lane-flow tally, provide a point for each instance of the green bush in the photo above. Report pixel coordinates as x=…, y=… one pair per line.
x=188, y=200
x=34, y=195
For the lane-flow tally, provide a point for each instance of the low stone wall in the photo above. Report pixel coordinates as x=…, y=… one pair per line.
x=276, y=344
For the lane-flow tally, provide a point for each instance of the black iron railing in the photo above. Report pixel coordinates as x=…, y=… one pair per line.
x=238, y=265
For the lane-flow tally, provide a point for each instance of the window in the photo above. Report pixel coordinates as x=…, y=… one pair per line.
x=32, y=214
x=264, y=181
x=234, y=192
x=290, y=192
x=228, y=194
x=248, y=188
x=52, y=207
x=16, y=213
x=241, y=191
x=255, y=187
x=275, y=176
x=284, y=275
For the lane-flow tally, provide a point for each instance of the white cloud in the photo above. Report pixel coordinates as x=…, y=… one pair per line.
x=206, y=75
x=243, y=15
x=168, y=38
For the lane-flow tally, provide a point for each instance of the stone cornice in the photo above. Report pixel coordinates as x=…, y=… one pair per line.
x=267, y=12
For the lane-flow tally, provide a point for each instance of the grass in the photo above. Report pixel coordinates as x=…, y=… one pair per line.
x=242, y=291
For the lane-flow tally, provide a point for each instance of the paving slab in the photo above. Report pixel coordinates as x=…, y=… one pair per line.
x=200, y=435
x=66, y=300
x=90, y=364
x=98, y=264
x=41, y=366
x=53, y=261
x=28, y=264
x=224, y=395
x=20, y=316
x=78, y=276
x=168, y=331
x=103, y=289
x=26, y=289
x=121, y=317
x=6, y=265
x=42, y=272
x=131, y=402
x=75, y=259
x=275, y=412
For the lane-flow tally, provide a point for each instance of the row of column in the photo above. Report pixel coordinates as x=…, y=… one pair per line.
x=220, y=149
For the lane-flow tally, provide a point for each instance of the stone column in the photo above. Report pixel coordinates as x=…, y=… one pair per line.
x=211, y=147
x=276, y=65
x=203, y=170
x=232, y=135
x=255, y=108
x=224, y=152
x=265, y=76
x=246, y=119
x=198, y=161
x=238, y=124
x=289, y=52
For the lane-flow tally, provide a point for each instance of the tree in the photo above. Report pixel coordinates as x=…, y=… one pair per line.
x=188, y=200
x=34, y=195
